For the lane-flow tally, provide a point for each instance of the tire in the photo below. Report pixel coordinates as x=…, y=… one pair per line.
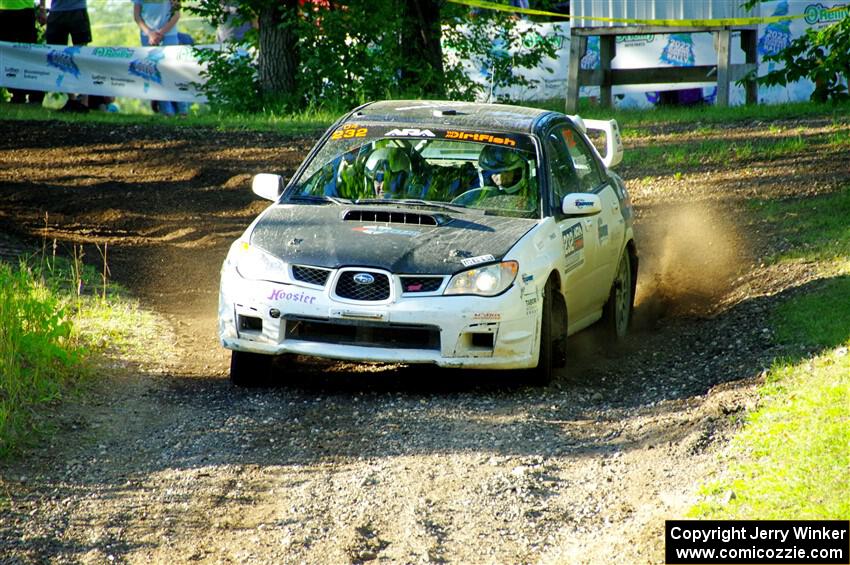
x=544, y=372
x=249, y=369
x=617, y=313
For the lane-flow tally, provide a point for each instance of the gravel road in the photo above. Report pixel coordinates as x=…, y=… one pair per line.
x=162, y=461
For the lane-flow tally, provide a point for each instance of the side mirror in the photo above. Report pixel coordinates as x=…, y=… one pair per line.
x=581, y=204
x=267, y=186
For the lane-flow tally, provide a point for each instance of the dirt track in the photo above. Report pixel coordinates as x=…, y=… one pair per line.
x=167, y=463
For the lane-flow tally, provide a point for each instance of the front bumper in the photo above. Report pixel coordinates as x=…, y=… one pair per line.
x=498, y=332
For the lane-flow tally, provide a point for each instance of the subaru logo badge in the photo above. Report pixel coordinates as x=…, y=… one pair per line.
x=364, y=278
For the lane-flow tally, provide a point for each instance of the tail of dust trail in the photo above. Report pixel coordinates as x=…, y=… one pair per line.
x=690, y=254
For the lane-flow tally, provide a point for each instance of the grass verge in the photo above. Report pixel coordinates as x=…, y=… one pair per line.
x=791, y=460
x=708, y=119
x=298, y=124
x=56, y=317
x=815, y=229
x=705, y=116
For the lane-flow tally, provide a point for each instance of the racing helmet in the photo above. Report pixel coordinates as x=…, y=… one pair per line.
x=390, y=166
x=509, y=164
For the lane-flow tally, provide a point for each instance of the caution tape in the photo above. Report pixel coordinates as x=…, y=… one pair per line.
x=716, y=22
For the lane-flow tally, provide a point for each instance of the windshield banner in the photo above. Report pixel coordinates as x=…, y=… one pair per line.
x=152, y=73
x=371, y=132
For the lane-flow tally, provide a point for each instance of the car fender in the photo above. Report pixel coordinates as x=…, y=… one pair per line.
x=539, y=253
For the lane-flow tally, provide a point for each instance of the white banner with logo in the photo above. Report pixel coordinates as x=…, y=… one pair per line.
x=152, y=73
x=664, y=50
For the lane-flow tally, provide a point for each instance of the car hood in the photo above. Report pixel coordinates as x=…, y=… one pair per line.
x=338, y=236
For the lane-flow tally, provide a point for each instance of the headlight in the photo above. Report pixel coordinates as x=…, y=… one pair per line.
x=484, y=281
x=254, y=263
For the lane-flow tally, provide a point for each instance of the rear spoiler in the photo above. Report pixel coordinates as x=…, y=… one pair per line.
x=613, y=141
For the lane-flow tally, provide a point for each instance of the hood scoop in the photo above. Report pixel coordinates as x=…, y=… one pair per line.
x=394, y=217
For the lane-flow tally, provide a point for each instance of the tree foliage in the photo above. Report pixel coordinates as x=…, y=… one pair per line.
x=343, y=53
x=820, y=55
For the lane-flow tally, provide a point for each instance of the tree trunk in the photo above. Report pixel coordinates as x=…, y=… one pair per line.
x=279, y=57
x=422, y=52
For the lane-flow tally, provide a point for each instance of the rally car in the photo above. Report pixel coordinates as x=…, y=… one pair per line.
x=462, y=235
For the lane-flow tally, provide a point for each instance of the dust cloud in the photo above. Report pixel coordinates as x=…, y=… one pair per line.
x=690, y=254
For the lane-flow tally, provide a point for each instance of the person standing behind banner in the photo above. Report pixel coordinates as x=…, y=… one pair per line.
x=234, y=26
x=17, y=25
x=157, y=23
x=67, y=19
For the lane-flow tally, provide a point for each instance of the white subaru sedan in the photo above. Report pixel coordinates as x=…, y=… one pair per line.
x=448, y=233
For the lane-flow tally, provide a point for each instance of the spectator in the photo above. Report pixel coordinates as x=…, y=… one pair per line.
x=182, y=107
x=67, y=19
x=234, y=26
x=17, y=24
x=157, y=23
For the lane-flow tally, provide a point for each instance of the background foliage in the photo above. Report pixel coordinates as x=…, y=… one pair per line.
x=356, y=52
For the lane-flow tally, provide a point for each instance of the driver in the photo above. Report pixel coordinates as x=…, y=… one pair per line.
x=388, y=171
x=508, y=173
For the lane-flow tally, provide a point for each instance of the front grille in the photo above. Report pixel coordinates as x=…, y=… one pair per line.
x=310, y=275
x=420, y=284
x=385, y=217
x=363, y=334
x=379, y=289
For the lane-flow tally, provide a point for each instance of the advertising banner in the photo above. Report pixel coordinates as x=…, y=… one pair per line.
x=152, y=73
x=666, y=50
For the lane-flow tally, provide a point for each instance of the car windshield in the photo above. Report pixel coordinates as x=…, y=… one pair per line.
x=493, y=172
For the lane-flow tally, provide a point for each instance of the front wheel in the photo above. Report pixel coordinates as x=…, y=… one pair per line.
x=617, y=314
x=249, y=369
x=551, y=340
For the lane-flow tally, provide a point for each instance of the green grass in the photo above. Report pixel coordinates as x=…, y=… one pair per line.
x=791, y=461
x=705, y=116
x=703, y=119
x=817, y=228
x=820, y=318
x=719, y=152
x=304, y=123
x=712, y=120
x=792, y=458
x=57, y=322
x=38, y=354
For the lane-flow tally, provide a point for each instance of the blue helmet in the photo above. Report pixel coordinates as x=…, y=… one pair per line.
x=389, y=166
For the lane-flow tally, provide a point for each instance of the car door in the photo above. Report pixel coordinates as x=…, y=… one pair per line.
x=609, y=225
x=578, y=234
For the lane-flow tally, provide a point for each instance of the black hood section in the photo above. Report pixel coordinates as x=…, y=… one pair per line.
x=319, y=236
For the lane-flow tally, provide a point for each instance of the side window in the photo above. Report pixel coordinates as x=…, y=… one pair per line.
x=564, y=178
x=586, y=167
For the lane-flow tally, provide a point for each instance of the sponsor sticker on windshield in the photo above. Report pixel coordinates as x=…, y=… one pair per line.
x=349, y=131
x=480, y=137
x=410, y=132
x=377, y=131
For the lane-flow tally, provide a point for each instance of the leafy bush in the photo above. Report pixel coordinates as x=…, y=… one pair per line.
x=231, y=78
